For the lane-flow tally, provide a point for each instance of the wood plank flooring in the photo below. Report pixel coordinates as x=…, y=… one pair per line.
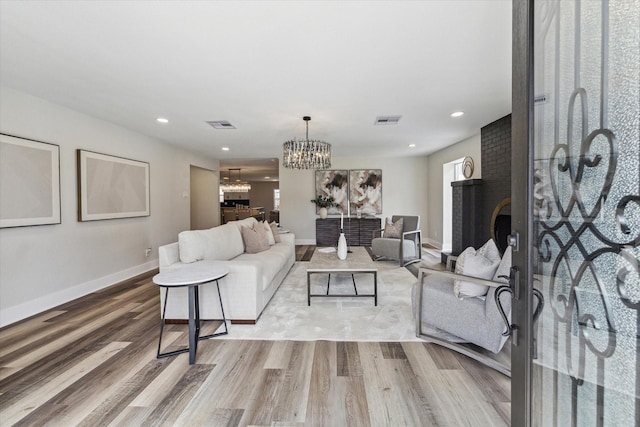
x=91, y=362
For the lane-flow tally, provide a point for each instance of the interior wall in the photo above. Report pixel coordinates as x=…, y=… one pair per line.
x=404, y=191
x=43, y=266
x=468, y=147
x=261, y=194
x=205, y=200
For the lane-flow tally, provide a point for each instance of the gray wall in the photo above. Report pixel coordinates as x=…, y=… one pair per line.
x=404, y=191
x=466, y=147
x=43, y=266
x=261, y=194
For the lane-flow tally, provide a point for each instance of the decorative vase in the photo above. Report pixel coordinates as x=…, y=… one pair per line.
x=342, y=247
x=323, y=213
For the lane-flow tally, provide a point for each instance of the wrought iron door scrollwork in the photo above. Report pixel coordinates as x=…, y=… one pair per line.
x=567, y=227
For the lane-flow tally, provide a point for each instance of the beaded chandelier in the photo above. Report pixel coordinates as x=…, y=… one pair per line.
x=307, y=154
x=239, y=186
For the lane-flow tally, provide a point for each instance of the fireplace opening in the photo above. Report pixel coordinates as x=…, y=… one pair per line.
x=501, y=224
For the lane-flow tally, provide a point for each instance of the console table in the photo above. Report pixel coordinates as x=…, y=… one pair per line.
x=358, y=231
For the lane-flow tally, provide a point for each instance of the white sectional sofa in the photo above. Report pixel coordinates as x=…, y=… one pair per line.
x=252, y=278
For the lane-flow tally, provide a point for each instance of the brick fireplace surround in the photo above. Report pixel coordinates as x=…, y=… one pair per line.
x=475, y=200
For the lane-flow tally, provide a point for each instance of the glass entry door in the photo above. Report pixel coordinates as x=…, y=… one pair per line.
x=580, y=363
x=577, y=128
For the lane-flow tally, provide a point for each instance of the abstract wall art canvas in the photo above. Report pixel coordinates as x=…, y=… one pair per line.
x=111, y=187
x=365, y=192
x=29, y=182
x=333, y=183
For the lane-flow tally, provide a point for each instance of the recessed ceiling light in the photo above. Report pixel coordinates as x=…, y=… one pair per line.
x=162, y=120
x=267, y=177
x=457, y=114
x=225, y=148
x=412, y=145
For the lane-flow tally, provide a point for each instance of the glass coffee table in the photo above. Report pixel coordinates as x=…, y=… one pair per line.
x=357, y=262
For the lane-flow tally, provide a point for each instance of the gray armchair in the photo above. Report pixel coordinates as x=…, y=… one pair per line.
x=407, y=249
x=471, y=320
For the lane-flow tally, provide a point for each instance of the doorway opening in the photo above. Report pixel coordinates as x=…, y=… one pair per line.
x=205, y=207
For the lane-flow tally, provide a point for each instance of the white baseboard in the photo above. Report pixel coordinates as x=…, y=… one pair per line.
x=305, y=241
x=22, y=311
x=433, y=242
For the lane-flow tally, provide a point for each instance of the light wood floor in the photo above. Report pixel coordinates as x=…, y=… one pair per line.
x=91, y=362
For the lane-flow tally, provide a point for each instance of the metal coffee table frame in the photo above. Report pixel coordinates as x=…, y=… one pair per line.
x=346, y=268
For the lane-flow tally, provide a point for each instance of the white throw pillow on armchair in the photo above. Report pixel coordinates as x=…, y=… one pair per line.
x=502, y=273
x=482, y=264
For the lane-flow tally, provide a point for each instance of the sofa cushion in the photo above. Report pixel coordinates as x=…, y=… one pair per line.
x=255, y=239
x=247, y=222
x=196, y=245
x=270, y=261
x=393, y=230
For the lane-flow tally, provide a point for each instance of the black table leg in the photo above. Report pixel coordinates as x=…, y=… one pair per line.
x=375, y=288
x=224, y=318
x=164, y=310
x=193, y=341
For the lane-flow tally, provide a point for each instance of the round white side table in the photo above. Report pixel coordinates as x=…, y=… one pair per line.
x=191, y=276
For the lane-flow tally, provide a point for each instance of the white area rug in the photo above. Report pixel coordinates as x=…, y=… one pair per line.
x=288, y=317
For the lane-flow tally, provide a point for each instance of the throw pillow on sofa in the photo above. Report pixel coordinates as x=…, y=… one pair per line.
x=276, y=233
x=270, y=237
x=393, y=230
x=482, y=264
x=255, y=239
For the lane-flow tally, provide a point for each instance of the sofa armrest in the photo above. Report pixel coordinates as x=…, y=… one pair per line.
x=378, y=232
x=427, y=271
x=288, y=238
x=408, y=233
x=419, y=243
x=168, y=254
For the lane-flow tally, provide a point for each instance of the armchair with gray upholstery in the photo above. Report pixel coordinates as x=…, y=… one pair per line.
x=471, y=320
x=407, y=249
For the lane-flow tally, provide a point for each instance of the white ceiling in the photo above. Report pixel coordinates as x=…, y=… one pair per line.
x=264, y=65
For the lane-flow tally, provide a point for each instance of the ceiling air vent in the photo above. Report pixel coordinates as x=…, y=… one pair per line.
x=387, y=120
x=221, y=124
